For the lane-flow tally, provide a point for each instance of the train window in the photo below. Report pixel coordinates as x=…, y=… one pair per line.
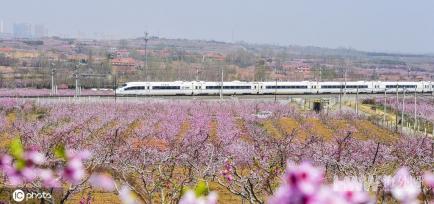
x=356, y=86
x=401, y=86
x=343, y=86
x=228, y=87
x=330, y=87
x=135, y=88
x=165, y=87
x=286, y=87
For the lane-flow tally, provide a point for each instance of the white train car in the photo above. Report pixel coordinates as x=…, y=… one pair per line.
x=345, y=87
x=156, y=88
x=269, y=88
x=393, y=87
x=229, y=88
x=427, y=86
x=303, y=87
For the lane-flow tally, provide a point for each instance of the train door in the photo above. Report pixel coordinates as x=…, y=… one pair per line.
x=193, y=88
x=314, y=88
x=431, y=86
x=255, y=90
x=147, y=90
x=258, y=88
x=426, y=87
x=197, y=88
x=374, y=87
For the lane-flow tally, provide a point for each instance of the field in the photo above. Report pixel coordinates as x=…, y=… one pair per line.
x=239, y=149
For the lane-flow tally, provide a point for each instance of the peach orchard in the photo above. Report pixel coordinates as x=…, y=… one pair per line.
x=153, y=152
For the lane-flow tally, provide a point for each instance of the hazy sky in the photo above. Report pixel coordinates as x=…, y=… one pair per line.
x=374, y=25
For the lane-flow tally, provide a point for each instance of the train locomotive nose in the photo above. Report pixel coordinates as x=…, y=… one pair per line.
x=118, y=91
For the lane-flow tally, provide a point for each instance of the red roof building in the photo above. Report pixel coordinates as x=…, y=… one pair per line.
x=215, y=55
x=5, y=49
x=126, y=65
x=122, y=53
x=128, y=62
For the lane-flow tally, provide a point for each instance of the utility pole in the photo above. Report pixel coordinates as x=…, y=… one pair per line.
x=343, y=89
x=53, y=72
x=408, y=73
x=340, y=98
x=146, y=55
x=221, y=84
x=197, y=69
x=384, y=107
x=76, y=76
x=115, y=86
x=415, y=109
x=397, y=108
x=345, y=81
x=320, y=73
x=357, y=101
x=375, y=74
x=275, y=87
x=402, y=112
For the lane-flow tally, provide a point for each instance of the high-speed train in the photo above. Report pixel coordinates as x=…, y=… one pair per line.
x=270, y=87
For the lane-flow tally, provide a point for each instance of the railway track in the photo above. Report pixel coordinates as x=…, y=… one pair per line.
x=214, y=96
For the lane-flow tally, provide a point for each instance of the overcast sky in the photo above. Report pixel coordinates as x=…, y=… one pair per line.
x=372, y=25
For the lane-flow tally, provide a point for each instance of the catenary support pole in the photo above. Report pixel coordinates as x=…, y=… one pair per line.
x=415, y=109
x=403, y=110
x=397, y=109
x=385, y=106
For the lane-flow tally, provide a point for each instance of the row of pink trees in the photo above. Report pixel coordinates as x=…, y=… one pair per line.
x=424, y=105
